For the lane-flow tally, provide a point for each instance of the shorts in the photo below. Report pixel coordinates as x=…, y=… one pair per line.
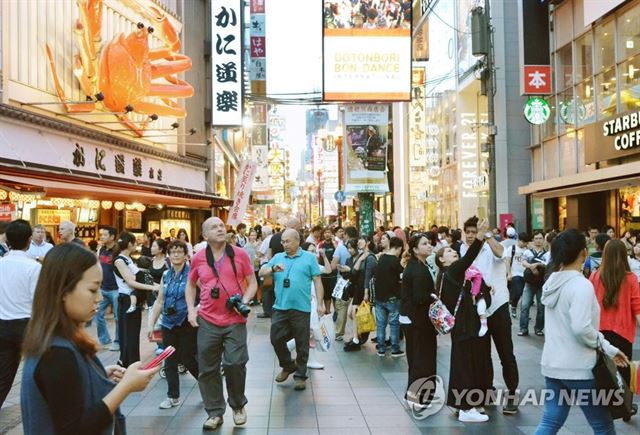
x=328, y=284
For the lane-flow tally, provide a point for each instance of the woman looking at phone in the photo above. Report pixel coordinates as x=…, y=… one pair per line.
x=65, y=388
x=176, y=330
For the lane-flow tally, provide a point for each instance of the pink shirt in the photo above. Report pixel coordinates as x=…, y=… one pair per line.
x=620, y=319
x=215, y=310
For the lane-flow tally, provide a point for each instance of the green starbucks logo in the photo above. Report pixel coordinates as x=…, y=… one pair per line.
x=537, y=110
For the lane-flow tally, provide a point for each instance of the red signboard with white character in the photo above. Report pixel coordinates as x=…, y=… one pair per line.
x=537, y=79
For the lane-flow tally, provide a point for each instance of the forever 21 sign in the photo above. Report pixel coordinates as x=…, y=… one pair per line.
x=612, y=138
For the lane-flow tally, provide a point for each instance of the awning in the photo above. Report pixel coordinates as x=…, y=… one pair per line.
x=59, y=187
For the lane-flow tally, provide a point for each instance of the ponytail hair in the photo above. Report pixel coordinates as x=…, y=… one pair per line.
x=566, y=248
x=122, y=243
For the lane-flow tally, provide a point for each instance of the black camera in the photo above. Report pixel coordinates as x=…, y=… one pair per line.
x=286, y=283
x=235, y=301
x=215, y=293
x=170, y=310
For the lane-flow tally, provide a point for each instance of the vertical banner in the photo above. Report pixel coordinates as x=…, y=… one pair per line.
x=366, y=51
x=535, y=61
x=227, y=84
x=365, y=149
x=242, y=192
x=417, y=145
x=258, y=53
x=259, y=154
x=259, y=149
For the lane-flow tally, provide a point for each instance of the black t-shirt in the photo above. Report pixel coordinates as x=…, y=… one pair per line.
x=275, y=244
x=388, y=274
x=329, y=250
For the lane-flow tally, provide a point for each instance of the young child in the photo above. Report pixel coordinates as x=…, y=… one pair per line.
x=475, y=277
x=144, y=264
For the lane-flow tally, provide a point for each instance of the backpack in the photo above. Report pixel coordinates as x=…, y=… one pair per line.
x=536, y=279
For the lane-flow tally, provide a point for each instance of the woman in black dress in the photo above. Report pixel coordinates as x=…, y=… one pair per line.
x=421, y=347
x=470, y=368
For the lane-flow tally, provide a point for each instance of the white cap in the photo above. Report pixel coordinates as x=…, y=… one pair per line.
x=511, y=232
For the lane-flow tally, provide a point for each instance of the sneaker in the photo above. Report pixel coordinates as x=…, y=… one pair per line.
x=284, y=375
x=397, y=353
x=300, y=385
x=213, y=423
x=523, y=333
x=182, y=369
x=540, y=333
x=239, y=416
x=315, y=365
x=510, y=406
x=382, y=352
x=339, y=338
x=169, y=403
x=263, y=316
x=472, y=416
x=115, y=347
x=514, y=312
x=351, y=346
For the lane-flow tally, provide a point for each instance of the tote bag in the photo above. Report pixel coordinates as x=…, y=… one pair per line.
x=608, y=378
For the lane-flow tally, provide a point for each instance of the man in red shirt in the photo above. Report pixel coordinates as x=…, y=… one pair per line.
x=222, y=271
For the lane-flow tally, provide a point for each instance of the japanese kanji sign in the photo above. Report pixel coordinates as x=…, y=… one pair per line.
x=537, y=80
x=417, y=138
x=242, y=192
x=227, y=53
x=258, y=53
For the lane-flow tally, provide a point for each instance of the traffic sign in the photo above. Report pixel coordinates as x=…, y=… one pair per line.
x=340, y=196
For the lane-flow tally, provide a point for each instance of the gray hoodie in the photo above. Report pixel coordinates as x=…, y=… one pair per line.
x=572, y=318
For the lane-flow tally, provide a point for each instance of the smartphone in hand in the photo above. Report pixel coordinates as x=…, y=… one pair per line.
x=166, y=353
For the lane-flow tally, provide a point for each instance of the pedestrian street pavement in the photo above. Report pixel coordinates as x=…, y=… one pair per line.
x=356, y=393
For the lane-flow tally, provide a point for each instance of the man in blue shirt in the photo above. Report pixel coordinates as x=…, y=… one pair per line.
x=294, y=271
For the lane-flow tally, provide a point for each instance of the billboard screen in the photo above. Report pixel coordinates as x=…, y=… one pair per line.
x=366, y=52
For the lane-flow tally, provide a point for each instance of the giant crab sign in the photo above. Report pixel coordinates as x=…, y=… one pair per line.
x=121, y=74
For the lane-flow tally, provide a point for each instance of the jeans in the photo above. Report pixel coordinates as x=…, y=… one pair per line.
x=285, y=325
x=527, y=299
x=11, y=336
x=109, y=297
x=515, y=290
x=185, y=339
x=214, y=342
x=388, y=312
x=557, y=410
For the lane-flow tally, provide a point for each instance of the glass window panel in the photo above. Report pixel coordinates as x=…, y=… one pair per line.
x=564, y=67
x=549, y=128
x=629, y=33
x=581, y=165
x=563, y=24
x=604, y=47
x=584, y=57
x=606, y=93
x=568, y=154
x=550, y=151
x=566, y=111
x=585, y=105
x=629, y=84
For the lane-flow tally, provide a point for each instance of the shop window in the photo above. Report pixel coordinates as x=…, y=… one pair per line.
x=629, y=33
x=585, y=103
x=584, y=57
x=629, y=201
x=568, y=158
x=606, y=93
x=550, y=155
x=629, y=84
x=564, y=67
x=604, y=52
x=567, y=107
x=549, y=128
x=563, y=27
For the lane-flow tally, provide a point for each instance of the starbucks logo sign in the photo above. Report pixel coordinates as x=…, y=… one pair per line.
x=537, y=110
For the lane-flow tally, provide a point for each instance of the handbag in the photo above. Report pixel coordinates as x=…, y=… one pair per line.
x=443, y=321
x=340, y=287
x=608, y=378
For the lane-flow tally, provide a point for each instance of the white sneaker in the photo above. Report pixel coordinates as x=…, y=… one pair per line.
x=315, y=365
x=169, y=403
x=472, y=416
x=239, y=416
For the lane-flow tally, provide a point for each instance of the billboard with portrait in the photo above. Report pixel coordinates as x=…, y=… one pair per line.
x=365, y=147
x=367, y=50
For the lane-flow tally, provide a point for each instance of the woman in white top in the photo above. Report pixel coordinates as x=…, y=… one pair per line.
x=184, y=237
x=125, y=271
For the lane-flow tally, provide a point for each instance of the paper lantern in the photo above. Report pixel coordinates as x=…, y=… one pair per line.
x=106, y=205
x=118, y=205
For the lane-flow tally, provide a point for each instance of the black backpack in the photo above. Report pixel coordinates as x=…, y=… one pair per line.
x=536, y=279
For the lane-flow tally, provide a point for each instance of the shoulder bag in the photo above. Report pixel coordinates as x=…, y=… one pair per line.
x=443, y=321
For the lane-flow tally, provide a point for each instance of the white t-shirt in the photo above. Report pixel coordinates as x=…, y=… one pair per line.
x=634, y=265
x=263, y=249
x=494, y=273
x=19, y=276
x=123, y=287
x=517, y=269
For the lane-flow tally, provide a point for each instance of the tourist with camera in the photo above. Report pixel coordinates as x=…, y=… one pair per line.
x=227, y=283
x=293, y=272
x=176, y=330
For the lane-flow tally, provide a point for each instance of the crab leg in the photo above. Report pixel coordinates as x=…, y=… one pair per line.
x=161, y=23
x=69, y=107
x=86, y=62
x=172, y=110
x=88, y=29
x=176, y=63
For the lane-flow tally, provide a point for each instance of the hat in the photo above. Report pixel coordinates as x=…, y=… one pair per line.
x=511, y=232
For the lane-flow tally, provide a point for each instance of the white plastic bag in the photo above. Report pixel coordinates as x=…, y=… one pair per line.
x=324, y=333
x=340, y=287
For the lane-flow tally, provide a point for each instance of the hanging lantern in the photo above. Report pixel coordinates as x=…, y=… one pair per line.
x=130, y=206
x=140, y=207
x=106, y=205
x=118, y=205
x=94, y=203
x=3, y=195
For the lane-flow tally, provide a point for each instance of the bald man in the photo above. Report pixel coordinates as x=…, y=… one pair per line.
x=67, y=232
x=294, y=271
x=222, y=271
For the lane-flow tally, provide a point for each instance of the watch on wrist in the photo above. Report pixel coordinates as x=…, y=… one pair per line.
x=273, y=269
x=488, y=235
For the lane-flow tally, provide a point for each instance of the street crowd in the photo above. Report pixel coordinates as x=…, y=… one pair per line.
x=470, y=283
